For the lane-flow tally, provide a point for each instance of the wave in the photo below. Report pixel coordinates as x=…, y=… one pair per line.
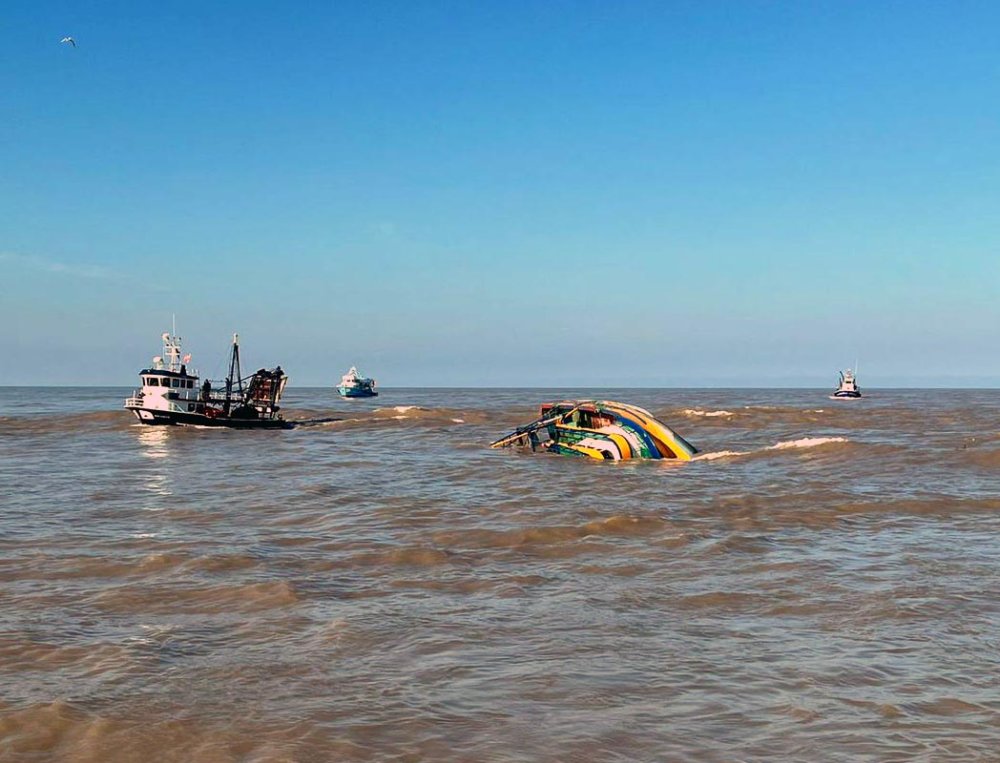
x=398, y=415
x=240, y=597
x=23, y=653
x=943, y=505
x=753, y=417
x=121, y=420
x=806, y=442
x=720, y=454
x=544, y=535
x=50, y=423
x=401, y=412
x=803, y=442
x=401, y=409
x=62, y=730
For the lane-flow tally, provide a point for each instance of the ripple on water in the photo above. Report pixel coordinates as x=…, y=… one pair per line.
x=377, y=585
x=191, y=599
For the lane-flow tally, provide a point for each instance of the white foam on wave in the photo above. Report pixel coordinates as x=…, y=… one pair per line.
x=401, y=411
x=804, y=442
x=720, y=454
x=699, y=412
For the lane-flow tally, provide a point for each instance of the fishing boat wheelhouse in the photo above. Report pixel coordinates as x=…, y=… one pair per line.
x=170, y=394
x=601, y=429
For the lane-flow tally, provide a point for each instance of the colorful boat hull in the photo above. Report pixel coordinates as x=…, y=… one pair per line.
x=601, y=429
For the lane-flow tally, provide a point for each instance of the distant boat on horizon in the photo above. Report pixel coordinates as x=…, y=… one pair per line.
x=353, y=384
x=847, y=388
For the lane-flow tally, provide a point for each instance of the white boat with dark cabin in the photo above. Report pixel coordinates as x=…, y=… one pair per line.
x=848, y=388
x=171, y=394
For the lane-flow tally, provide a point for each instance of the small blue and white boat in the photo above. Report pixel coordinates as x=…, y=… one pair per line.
x=353, y=384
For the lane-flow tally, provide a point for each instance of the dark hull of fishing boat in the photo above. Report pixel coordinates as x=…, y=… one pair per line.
x=175, y=418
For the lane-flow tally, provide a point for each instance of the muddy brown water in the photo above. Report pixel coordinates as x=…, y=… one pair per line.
x=822, y=584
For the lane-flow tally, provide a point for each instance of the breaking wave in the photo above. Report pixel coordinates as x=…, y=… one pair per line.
x=803, y=442
x=400, y=412
x=806, y=442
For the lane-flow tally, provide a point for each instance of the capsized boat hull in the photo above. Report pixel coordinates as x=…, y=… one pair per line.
x=600, y=429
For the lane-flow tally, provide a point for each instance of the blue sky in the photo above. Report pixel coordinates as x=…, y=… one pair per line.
x=450, y=193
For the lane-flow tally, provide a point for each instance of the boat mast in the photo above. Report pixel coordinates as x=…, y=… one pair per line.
x=234, y=373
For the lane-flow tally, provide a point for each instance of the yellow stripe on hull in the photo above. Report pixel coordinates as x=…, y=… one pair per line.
x=613, y=430
x=592, y=452
x=666, y=440
x=622, y=444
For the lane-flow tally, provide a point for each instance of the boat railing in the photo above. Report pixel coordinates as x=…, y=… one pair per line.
x=135, y=401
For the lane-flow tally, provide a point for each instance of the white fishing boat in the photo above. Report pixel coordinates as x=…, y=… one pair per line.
x=171, y=394
x=848, y=388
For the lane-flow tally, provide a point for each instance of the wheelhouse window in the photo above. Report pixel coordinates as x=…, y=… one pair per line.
x=152, y=381
x=176, y=383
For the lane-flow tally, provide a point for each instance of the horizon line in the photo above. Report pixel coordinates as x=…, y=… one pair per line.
x=511, y=387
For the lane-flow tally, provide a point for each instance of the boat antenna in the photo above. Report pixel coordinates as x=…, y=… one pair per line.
x=173, y=324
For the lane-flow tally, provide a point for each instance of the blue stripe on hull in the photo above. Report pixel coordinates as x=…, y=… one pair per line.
x=356, y=392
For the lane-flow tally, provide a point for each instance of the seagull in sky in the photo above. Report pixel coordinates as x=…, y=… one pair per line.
x=70, y=40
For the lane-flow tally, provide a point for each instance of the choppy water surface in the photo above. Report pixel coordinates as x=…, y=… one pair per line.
x=823, y=585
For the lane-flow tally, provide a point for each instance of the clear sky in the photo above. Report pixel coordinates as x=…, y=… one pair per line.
x=503, y=193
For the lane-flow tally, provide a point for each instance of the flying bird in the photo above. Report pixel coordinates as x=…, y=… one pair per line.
x=70, y=40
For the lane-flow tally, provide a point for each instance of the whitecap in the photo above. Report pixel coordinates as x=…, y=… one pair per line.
x=806, y=442
x=720, y=454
